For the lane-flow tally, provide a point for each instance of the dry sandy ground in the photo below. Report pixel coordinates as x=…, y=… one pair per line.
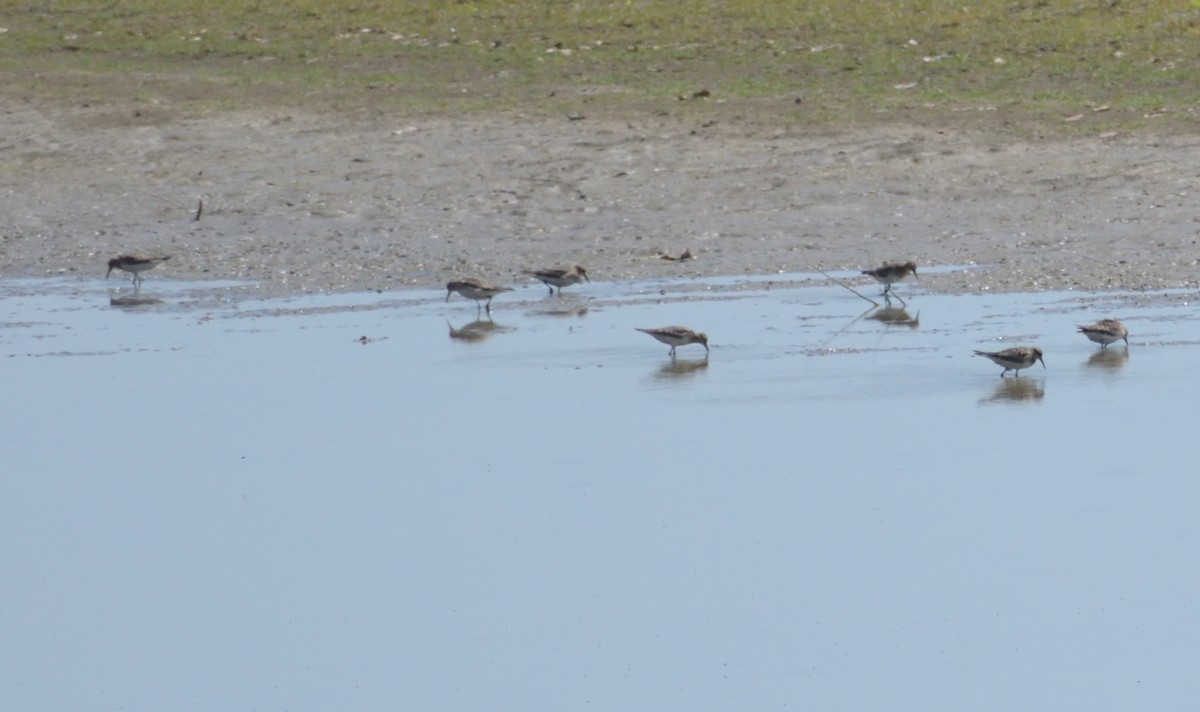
x=300, y=203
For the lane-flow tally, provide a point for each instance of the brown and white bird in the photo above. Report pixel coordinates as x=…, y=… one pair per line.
x=560, y=277
x=475, y=289
x=1105, y=332
x=1014, y=359
x=134, y=265
x=890, y=273
x=674, y=336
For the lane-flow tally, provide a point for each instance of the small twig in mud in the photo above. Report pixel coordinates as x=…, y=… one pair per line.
x=843, y=284
x=685, y=255
x=199, y=211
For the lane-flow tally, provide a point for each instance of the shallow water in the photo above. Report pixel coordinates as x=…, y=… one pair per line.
x=210, y=502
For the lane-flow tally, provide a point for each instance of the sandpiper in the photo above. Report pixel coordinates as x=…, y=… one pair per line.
x=1014, y=359
x=677, y=336
x=134, y=265
x=1105, y=332
x=475, y=289
x=891, y=273
x=560, y=277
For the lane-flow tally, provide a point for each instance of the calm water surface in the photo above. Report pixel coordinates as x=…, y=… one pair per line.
x=211, y=502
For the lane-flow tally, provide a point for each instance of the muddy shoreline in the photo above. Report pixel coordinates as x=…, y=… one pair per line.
x=301, y=203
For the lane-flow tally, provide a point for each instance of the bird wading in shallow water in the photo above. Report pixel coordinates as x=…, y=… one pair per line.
x=1105, y=332
x=674, y=336
x=475, y=289
x=889, y=274
x=1014, y=359
x=560, y=277
x=134, y=265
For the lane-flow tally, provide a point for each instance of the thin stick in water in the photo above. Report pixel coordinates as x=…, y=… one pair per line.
x=843, y=284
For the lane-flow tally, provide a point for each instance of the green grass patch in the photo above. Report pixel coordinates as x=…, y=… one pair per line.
x=839, y=60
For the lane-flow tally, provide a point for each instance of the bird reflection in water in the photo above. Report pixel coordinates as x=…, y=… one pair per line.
x=895, y=316
x=477, y=330
x=1109, y=358
x=681, y=368
x=132, y=301
x=1016, y=390
x=578, y=310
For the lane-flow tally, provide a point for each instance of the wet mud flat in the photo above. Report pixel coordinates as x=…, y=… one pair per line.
x=367, y=498
x=309, y=202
